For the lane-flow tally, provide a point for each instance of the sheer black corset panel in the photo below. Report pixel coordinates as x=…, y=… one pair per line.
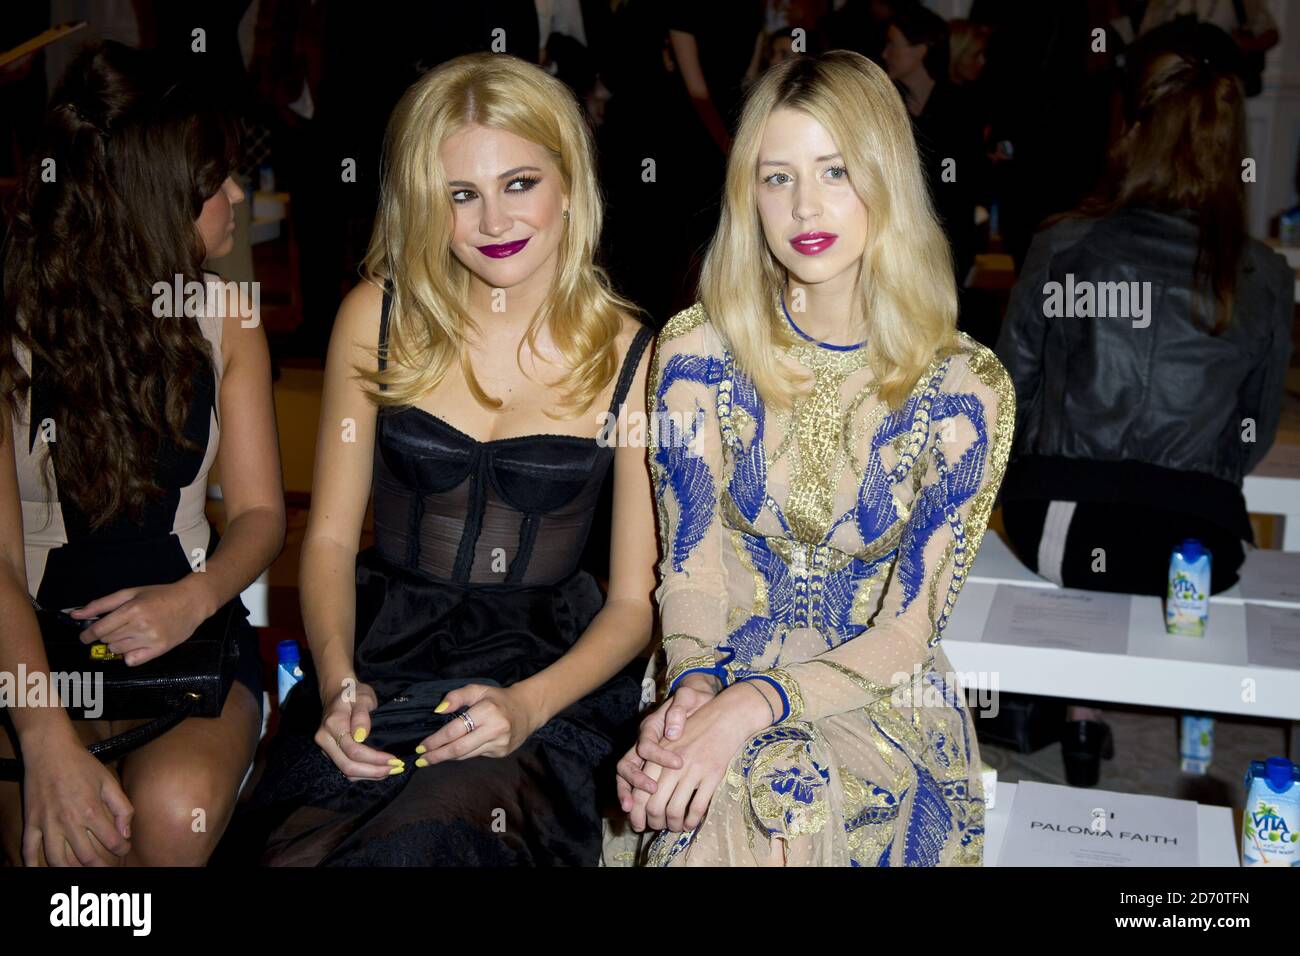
x=508, y=511
x=504, y=512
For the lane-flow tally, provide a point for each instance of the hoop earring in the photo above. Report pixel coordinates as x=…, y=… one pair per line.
x=566, y=217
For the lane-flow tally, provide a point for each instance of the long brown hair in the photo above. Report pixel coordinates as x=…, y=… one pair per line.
x=108, y=208
x=1182, y=149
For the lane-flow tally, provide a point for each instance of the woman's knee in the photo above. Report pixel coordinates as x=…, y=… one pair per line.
x=180, y=813
x=183, y=786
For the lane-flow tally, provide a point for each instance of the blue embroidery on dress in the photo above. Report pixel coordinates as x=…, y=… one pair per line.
x=937, y=503
x=800, y=784
x=929, y=823
x=688, y=473
x=874, y=513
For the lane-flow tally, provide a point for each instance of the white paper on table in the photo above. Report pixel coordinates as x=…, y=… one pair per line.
x=1061, y=826
x=1271, y=576
x=1224, y=640
x=1273, y=636
x=1059, y=617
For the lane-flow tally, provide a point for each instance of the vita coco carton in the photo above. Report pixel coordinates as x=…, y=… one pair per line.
x=1270, y=825
x=1187, y=603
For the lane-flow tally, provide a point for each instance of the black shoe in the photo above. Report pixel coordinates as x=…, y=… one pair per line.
x=1083, y=745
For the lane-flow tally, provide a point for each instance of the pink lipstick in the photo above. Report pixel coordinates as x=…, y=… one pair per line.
x=504, y=249
x=812, y=243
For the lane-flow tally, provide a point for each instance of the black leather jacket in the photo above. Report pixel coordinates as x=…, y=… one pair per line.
x=1143, y=407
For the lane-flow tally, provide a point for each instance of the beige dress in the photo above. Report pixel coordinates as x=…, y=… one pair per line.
x=821, y=549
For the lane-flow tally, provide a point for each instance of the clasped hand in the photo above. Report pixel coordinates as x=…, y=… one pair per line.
x=667, y=780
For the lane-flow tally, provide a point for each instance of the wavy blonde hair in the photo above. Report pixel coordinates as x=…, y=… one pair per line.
x=429, y=322
x=908, y=293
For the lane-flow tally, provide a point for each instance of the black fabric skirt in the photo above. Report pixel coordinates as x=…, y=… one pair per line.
x=540, y=805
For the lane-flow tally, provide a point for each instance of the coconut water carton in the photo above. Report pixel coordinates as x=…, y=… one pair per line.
x=1270, y=825
x=1187, y=603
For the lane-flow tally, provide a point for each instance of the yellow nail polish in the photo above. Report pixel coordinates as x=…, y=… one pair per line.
x=441, y=707
x=422, y=762
x=359, y=734
x=421, y=749
x=395, y=771
x=394, y=762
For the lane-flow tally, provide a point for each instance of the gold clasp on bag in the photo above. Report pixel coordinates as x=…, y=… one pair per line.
x=100, y=652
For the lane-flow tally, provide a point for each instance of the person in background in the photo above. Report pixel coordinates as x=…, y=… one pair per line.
x=967, y=49
x=221, y=66
x=1050, y=116
x=716, y=49
x=327, y=74
x=1247, y=23
x=949, y=136
x=861, y=26
x=107, y=517
x=779, y=47
x=1136, y=429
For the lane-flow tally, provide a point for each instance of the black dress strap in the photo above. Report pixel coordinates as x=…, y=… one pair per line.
x=630, y=363
x=383, y=329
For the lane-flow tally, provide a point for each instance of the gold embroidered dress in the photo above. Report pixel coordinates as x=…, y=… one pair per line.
x=821, y=549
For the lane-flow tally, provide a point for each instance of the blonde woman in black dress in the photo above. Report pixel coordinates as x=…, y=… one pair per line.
x=466, y=389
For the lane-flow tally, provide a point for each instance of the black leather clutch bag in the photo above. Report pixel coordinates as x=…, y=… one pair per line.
x=196, y=673
x=405, y=720
x=190, y=680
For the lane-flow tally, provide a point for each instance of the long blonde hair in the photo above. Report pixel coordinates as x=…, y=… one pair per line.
x=908, y=293
x=411, y=243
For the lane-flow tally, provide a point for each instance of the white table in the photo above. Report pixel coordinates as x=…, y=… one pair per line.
x=1179, y=681
x=1273, y=488
x=1216, y=837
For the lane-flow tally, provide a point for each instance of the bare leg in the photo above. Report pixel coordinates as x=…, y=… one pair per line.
x=184, y=784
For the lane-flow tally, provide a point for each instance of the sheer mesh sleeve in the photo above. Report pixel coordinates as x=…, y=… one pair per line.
x=686, y=470
x=972, y=424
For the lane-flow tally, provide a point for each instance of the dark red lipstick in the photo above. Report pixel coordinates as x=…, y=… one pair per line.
x=504, y=249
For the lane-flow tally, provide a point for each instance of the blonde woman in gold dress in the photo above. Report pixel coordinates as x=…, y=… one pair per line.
x=829, y=449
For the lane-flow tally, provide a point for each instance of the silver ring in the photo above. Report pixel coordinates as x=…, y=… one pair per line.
x=469, y=721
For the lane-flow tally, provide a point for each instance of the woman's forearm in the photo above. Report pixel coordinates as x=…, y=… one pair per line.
x=615, y=636
x=713, y=122
x=250, y=543
x=21, y=648
x=327, y=584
